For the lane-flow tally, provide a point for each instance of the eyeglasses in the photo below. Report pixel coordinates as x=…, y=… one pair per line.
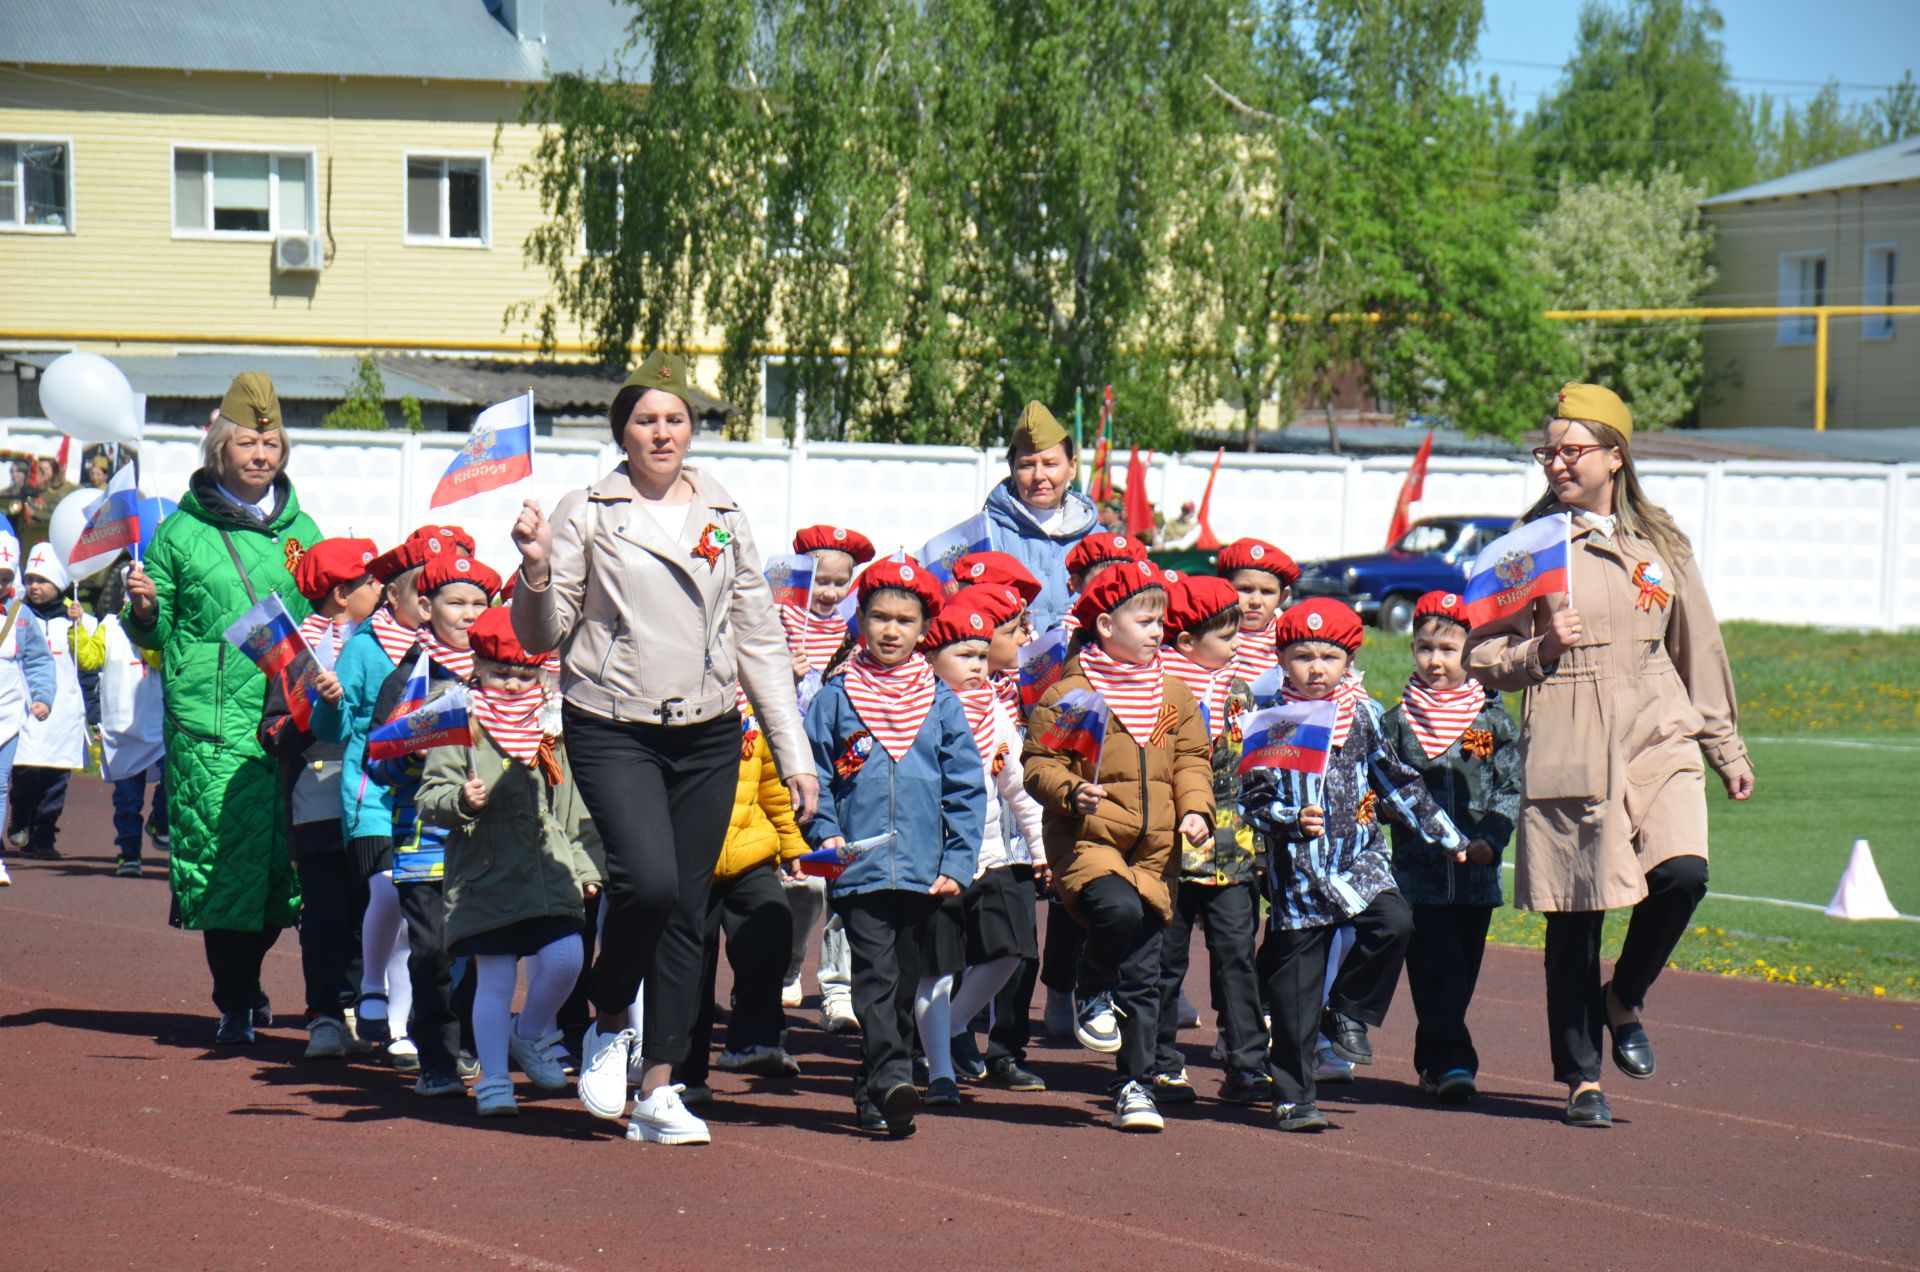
x=1569, y=454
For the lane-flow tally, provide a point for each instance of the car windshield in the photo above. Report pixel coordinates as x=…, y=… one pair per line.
x=1426, y=539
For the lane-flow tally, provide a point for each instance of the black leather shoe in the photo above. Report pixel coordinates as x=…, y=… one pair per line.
x=1244, y=1087
x=870, y=1120
x=1589, y=1108
x=1299, y=1117
x=1011, y=1074
x=898, y=1107
x=1347, y=1037
x=236, y=1029
x=968, y=1065
x=1632, y=1050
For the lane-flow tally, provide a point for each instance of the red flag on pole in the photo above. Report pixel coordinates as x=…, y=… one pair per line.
x=1139, y=508
x=1410, y=492
x=1208, y=541
x=66, y=448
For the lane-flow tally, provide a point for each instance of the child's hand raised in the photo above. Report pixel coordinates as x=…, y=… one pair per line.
x=1480, y=853
x=1195, y=828
x=944, y=887
x=74, y=613
x=1087, y=797
x=1313, y=821
x=474, y=792
x=328, y=686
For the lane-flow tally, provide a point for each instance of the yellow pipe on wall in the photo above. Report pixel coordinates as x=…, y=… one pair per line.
x=1820, y=372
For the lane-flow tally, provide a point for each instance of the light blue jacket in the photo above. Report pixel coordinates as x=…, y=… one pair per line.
x=366, y=806
x=934, y=799
x=1016, y=533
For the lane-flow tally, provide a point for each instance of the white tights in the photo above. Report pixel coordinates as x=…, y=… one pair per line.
x=383, y=955
x=551, y=974
x=937, y=1008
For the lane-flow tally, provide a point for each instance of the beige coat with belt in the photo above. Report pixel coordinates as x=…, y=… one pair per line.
x=656, y=627
x=1613, y=732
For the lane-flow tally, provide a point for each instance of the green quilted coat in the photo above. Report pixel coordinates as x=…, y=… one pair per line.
x=230, y=863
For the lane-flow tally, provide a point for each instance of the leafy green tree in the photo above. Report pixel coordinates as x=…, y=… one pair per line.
x=1826, y=128
x=1624, y=243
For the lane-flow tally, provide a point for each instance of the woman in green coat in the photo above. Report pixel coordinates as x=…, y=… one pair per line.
x=236, y=537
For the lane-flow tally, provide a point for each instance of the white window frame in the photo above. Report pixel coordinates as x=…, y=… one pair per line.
x=21, y=226
x=801, y=409
x=485, y=240
x=619, y=206
x=1795, y=329
x=274, y=230
x=1878, y=327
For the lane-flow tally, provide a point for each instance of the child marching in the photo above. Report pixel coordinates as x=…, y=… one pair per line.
x=27, y=684
x=53, y=748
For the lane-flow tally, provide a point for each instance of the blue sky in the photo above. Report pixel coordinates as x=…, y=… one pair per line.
x=1860, y=42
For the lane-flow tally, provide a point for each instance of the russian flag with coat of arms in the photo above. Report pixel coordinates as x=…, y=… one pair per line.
x=268, y=636
x=1291, y=735
x=442, y=722
x=114, y=525
x=499, y=452
x=1079, y=726
x=1519, y=568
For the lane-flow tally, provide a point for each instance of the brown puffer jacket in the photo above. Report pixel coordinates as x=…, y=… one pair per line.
x=1149, y=790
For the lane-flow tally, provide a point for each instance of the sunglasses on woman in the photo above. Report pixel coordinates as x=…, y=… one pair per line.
x=1569, y=454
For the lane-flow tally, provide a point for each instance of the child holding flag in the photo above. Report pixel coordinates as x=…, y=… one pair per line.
x=1264, y=576
x=27, y=684
x=1465, y=747
x=899, y=772
x=51, y=749
x=458, y=590
x=1112, y=809
x=333, y=576
x=517, y=868
x=1327, y=862
x=132, y=728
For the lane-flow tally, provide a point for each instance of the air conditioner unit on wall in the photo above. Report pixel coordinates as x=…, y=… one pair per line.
x=298, y=254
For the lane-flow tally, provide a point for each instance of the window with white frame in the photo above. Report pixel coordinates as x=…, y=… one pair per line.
x=603, y=204
x=1803, y=281
x=1877, y=277
x=446, y=199
x=246, y=193
x=36, y=186
x=784, y=406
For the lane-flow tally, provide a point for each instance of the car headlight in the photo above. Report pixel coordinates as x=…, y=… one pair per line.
x=1353, y=580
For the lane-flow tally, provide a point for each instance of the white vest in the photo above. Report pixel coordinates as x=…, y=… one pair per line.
x=13, y=680
x=132, y=709
x=60, y=740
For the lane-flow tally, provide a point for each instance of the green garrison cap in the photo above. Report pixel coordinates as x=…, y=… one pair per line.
x=664, y=371
x=1037, y=430
x=251, y=402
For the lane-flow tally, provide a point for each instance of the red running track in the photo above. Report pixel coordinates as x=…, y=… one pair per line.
x=1783, y=1130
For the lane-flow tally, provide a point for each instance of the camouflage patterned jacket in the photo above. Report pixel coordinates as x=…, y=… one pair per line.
x=1235, y=855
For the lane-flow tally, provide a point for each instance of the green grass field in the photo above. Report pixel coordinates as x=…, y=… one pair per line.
x=1833, y=721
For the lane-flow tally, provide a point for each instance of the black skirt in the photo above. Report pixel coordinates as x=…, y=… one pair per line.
x=373, y=853
x=943, y=946
x=997, y=910
x=528, y=936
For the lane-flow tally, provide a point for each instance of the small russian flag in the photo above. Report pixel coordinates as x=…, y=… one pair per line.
x=1519, y=568
x=268, y=635
x=1041, y=664
x=114, y=525
x=1292, y=735
x=499, y=452
x=413, y=695
x=442, y=722
x=830, y=863
x=791, y=578
x=940, y=553
x=1079, y=727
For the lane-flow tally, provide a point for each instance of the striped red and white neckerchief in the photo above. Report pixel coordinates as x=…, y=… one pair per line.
x=395, y=639
x=1134, y=691
x=457, y=661
x=1258, y=654
x=1070, y=622
x=1346, y=700
x=893, y=702
x=318, y=630
x=1210, y=686
x=1439, y=716
x=811, y=637
x=512, y=720
x=1006, y=687
x=980, y=703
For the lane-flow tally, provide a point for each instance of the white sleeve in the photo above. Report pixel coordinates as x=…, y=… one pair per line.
x=1026, y=810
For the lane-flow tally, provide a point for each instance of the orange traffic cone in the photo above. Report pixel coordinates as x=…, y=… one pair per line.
x=1861, y=894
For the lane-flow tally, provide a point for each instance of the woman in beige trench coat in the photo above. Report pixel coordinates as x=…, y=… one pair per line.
x=1627, y=686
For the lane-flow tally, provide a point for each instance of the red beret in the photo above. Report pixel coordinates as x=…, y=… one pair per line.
x=492, y=638
x=837, y=539
x=419, y=548
x=1441, y=605
x=1101, y=546
x=1257, y=554
x=908, y=576
x=331, y=562
x=457, y=567
x=1113, y=588
x=1321, y=618
x=1197, y=598
x=972, y=614
x=997, y=568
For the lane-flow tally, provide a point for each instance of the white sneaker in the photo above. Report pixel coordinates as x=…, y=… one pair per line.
x=836, y=1016
x=792, y=994
x=1058, y=1019
x=1096, y=1024
x=603, y=1071
x=1134, y=1110
x=493, y=1097
x=326, y=1039
x=5, y=878
x=662, y=1119
x=404, y=1055
x=538, y=1058
x=1328, y=1067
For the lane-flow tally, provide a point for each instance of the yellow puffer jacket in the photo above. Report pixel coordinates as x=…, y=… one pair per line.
x=762, y=829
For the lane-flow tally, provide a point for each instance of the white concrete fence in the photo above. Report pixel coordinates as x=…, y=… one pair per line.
x=1830, y=544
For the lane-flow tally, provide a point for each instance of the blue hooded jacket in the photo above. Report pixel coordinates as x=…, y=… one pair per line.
x=1017, y=534
x=363, y=667
x=934, y=799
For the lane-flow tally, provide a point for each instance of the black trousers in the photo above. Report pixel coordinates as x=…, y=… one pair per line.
x=1443, y=965
x=1293, y=961
x=660, y=797
x=1576, y=1000
x=577, y=1012
x=1122, y=957
x=436, y=1025
x=752, y=913
x=234, y=958
x=333, y=900
x=887, y=939
x=1230, y=916
x=1060, y=955
x=37, y=797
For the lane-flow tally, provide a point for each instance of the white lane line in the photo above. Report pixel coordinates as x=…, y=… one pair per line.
x=1815, y=906
x=1856, y=744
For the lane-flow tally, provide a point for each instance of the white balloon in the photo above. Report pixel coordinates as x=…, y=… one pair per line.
x=68, y=523
x=89, y=399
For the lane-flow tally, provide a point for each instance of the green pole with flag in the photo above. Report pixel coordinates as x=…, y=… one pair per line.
x=1079, y=453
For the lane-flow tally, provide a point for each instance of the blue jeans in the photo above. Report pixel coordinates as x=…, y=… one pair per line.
x=128, y=794
x=6, y=773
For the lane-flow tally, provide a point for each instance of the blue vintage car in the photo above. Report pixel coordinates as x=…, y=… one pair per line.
x=1434, y=554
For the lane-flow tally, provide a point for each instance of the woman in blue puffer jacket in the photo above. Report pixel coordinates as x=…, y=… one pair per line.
x=1036, y=515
